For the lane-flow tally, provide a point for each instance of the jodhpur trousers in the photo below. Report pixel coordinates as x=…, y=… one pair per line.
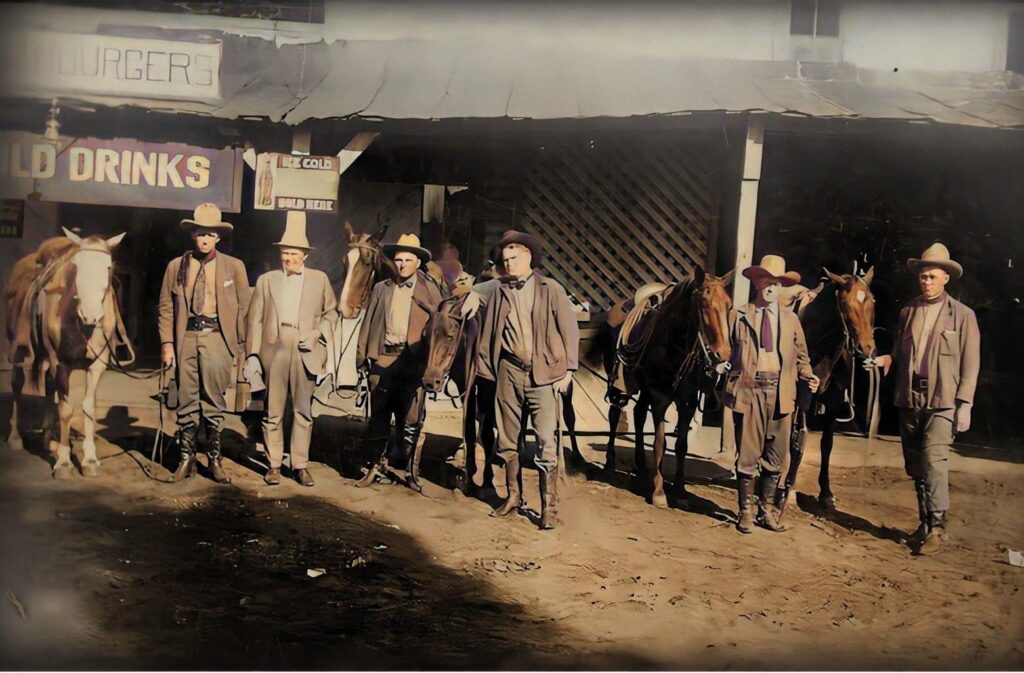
x=515, y=391
x=205, y=366
x=927, y=436
x=762, y=436
x=396, y=391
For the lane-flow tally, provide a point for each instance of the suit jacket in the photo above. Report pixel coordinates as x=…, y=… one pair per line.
x=317, y=314
x=233, y=295
x=793, y=359
x=426, y=296
x=556, y=334
x=955, y=357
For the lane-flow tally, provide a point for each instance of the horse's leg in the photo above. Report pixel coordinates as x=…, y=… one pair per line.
x=468, y=466
x=569, y=415
x=14, y=440
x=614, y=413
x=658, y=498
x=63, y=468
x=488, y=428
x=686, y=408
x=825, y=497
x=640, y=409
x=90, y=463
x=797, y=441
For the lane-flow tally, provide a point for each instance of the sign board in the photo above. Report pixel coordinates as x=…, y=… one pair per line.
x=50, y=62
x=12, y=218
x=296, y=182
x=120, y=172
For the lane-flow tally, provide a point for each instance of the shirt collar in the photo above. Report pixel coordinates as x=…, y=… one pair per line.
x=302, y=270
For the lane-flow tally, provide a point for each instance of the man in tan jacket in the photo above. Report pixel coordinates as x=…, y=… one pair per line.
x=292, y=309
x=529, y=346
x=393, y=352
x=769, y=354
x=203, y=301
x=938, y=357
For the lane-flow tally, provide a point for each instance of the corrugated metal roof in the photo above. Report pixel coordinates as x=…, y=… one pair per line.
x=410, y=79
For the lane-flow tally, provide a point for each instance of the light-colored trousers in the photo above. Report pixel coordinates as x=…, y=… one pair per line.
x=515, y=390
x=927, y=437
x=205, y=367
x=287, y=377
x=762, y=438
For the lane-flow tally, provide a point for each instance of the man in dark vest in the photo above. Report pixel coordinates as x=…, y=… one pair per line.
x=203, y=302
x=937, y=357
x=392, y=351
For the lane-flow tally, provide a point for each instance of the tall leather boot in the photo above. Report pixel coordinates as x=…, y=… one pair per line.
x=186, y=441
x=936, y=534
x=747, y=502
x=413, y=454
x=214, y=452
x=513, y=502
x=770, y=514
x=549, y=498
x=918, y=536
x=378, y=454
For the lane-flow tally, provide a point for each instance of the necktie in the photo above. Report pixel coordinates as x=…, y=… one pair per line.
x=766, y=332
x=199, y=290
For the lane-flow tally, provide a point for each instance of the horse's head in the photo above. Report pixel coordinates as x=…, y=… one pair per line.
x=712, y=303
x=857, y=308
x=364, y=259
x=92, y=266
x=444, y=337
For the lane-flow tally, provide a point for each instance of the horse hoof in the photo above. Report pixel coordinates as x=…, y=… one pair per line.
x=91, y=469
x=827, y=502
x=683, y=501
x=63, y=472
x=659, y=500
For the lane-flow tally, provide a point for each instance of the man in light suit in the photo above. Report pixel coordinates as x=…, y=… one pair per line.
x=292, y=309
x=203, y=302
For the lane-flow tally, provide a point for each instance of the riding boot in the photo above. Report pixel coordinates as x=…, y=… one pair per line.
x=413, y=454
x=745, y=491
x=549, y=498
x=378, y=454
x=770, y=514
x=512, y=503
x=186, y=440
x=918, y=536
x=936, y=534
x=214, y=452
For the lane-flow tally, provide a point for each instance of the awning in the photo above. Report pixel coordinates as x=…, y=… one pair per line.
x=411, y=79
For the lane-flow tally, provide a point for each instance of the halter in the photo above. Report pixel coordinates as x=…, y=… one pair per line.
x=446, y=377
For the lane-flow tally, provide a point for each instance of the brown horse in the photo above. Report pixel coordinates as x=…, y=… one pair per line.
x=679, y=346
x=364, y=263
x=71, y=299
x=838, y=319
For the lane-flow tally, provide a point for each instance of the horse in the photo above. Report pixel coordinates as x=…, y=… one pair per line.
x=74, y=321
x=365, y=262
x=451, y=356
x=838, y=318
x=670, y=362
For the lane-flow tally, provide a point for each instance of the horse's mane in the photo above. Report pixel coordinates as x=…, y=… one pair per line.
x=822, y=324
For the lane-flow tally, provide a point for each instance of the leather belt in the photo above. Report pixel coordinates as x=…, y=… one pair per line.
x=288, y=324
x=766, y=379
x=198, y=323
x=516, y=362
x=919, y=383
x=392, y=349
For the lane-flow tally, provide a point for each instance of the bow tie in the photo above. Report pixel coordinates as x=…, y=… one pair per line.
x=516, y=284
x=409, y=283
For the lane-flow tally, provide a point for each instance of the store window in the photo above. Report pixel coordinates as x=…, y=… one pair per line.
x=819, y=18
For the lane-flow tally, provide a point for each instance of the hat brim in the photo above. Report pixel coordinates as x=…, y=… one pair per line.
x=191, y=225
x=949, y=266
x=294, y=245
x=530, y=242
x=392, y=249
x=787, y=279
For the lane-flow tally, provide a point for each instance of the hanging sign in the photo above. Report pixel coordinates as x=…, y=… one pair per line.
x=296, y=182
x=119, y=172
x=12, y=218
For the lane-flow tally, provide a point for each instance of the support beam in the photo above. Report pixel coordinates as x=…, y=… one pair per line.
x=746, y=221
x=355, y=147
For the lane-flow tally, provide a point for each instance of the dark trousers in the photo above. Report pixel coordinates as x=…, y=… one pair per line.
x=927, y=437
x=396, y=392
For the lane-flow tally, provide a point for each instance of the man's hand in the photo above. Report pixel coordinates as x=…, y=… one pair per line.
x=723, y=368
x=471, y=305
x=883, y=361
x=252, y=371
x=562, y=385
x=167, y=355
x=306, y=343
x=962, y=417
x=813, y=383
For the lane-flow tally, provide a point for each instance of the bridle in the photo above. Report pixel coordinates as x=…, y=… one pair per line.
x=456, y=340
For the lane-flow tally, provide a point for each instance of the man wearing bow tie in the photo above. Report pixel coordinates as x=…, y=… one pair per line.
x=529, y=345
x=392, y=351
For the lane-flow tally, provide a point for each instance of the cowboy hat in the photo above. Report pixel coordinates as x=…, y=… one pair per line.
x=295, y=232
x=517, y=237
x=407, y=243
x=773, y=267
x=207, y=216
x=937, y=255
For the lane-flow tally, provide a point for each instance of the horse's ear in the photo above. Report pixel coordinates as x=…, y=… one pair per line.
x=114, y=240
x=835, y=278
x=869, y=276
x=75, y=238
x=699, y=275
x=348, y=230
x=379, y=236
x=727, y=278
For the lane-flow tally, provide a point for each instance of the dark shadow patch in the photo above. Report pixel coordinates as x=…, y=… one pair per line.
x=811, y=505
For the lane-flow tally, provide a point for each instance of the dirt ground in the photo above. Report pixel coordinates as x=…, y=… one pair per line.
x=124, y=572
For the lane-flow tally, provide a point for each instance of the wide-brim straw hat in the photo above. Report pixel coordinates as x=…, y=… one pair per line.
x=295, y=232
x=936, y=255
x=530, y=242
x=207, y=216
x=774, y=268
x=407, y=243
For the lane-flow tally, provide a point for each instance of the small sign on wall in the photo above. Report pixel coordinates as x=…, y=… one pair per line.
x=296, y=182
x=12, y=218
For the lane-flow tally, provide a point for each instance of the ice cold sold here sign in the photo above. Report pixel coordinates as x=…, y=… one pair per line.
x=119, y=172
x=296, y=182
